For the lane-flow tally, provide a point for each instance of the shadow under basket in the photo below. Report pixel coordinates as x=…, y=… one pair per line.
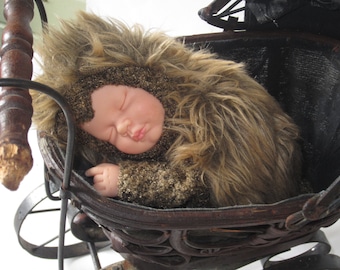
x=303, y=73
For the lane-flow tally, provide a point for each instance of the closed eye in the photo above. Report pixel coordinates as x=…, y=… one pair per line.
x=123, y=102
x=112, y=134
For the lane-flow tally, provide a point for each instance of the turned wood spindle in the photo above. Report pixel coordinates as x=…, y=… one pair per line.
x=15, y=103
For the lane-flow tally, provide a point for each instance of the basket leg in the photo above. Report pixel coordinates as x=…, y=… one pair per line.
x=317, y=257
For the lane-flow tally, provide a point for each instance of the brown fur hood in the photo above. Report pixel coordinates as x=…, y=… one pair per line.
x=227, y=126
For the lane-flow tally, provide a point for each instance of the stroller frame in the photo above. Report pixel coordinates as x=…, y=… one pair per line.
x=298, y=220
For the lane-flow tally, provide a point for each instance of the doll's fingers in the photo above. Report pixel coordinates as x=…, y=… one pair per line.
x=98, y=178
x=94, y=171
x=98, y=183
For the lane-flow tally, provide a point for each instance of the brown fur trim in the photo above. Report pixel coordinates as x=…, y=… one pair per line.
x=226, y=125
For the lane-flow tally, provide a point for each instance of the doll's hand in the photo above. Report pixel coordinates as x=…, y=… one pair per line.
x=105, y=178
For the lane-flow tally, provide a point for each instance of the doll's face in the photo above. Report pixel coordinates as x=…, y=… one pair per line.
x=129, y=118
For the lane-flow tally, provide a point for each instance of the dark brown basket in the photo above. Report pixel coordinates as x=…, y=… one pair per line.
x=303, y=73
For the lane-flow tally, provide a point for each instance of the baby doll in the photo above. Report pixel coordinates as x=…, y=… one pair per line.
x=163, y=125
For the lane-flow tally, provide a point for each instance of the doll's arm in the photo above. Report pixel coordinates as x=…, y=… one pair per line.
x=156, y=184
x=152, y=184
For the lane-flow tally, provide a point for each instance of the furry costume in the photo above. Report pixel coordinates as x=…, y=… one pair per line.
x=225, y=142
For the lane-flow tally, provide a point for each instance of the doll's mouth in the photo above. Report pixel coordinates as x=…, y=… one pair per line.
x=139, y=135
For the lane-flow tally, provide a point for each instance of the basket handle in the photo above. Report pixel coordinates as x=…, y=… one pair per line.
x=322, y=205
x=16, y=103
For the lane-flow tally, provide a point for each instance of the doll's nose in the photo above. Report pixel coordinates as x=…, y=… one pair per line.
x=123, y=127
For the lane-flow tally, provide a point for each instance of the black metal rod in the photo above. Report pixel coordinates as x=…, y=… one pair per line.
x=69, y=155
x=229, y=10
x=94, y=255
x=49, y=241
x=42, y=12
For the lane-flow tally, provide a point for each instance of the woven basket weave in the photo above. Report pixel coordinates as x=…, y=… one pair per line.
x=303, y=73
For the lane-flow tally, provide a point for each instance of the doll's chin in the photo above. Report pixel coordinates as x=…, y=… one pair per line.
x=138, y=149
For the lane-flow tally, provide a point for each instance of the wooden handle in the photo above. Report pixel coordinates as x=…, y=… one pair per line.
x=16, y=103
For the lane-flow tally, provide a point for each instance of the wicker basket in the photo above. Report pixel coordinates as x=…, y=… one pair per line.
x=303, y=73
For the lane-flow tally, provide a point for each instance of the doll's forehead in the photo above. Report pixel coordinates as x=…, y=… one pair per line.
x=112, y=93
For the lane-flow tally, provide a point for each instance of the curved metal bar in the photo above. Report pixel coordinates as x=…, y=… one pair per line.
x=42, y=12
x=211, y=14
x=43, y=251
x=21, y=83
x=25, y=84
x=321, y=247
